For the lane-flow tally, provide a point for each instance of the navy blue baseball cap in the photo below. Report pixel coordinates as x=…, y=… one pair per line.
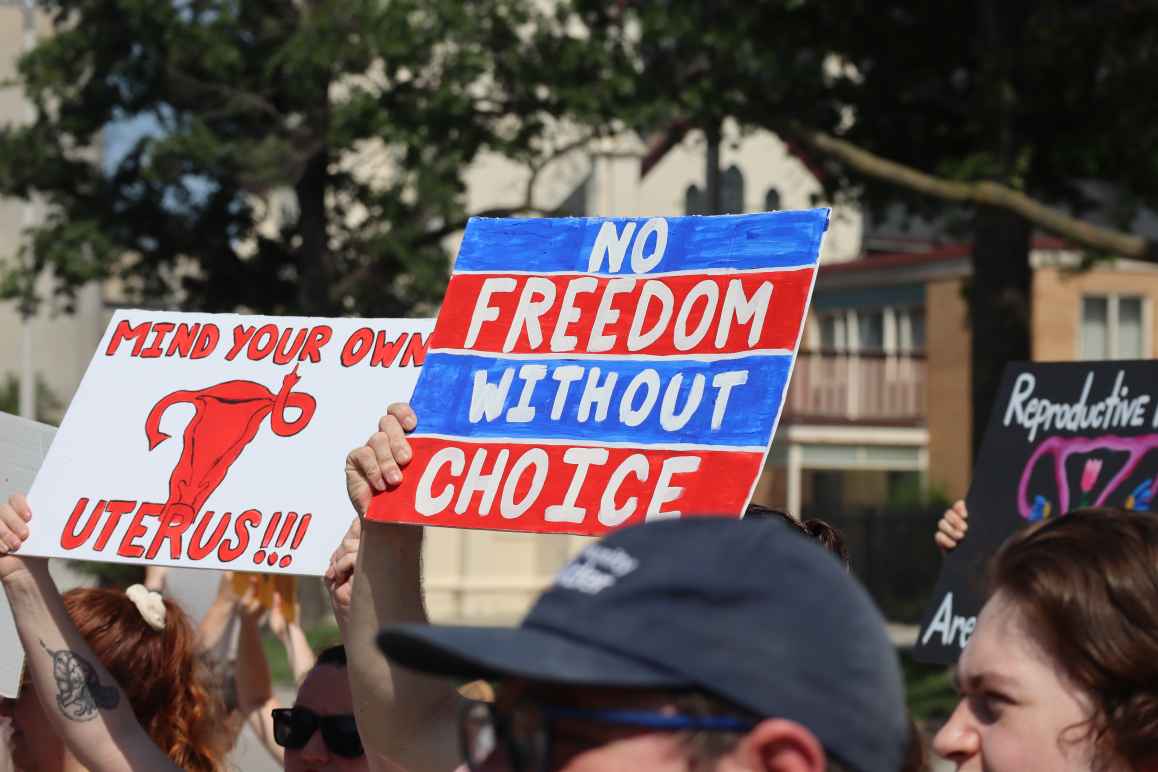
x=746, y=611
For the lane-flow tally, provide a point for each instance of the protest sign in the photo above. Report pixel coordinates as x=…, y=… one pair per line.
x=216, y=441
x=588, y=373
x=1061, y=436
x=23, y=444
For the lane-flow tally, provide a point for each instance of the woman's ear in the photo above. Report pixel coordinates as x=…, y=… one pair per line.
x=779, y=745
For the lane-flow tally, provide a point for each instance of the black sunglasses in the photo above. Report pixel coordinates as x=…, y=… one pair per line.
x=293, y=728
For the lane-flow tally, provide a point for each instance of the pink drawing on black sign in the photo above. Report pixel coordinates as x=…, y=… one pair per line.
x=1094, y=490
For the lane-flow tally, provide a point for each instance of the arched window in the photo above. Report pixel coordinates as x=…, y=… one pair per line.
x=732, y=191
x=772, y=200
x=694, y=202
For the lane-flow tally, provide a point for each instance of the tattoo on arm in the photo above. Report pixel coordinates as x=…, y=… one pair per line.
x=79, y=692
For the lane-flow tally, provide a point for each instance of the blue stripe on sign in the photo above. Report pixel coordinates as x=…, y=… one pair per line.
x=747, y=241
x=445, y=398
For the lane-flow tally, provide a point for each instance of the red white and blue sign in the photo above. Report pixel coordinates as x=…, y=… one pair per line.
x=589, y=373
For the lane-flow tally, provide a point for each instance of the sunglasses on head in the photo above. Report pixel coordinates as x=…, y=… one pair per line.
x=293, y=728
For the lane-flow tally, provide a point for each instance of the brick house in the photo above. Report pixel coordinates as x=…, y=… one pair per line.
x=880, y=398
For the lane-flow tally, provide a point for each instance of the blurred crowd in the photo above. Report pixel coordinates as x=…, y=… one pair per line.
x=702, y=643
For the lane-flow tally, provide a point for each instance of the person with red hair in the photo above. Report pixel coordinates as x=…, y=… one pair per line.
x=113, y=680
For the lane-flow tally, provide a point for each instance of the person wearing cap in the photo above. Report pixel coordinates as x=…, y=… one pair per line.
x=702, y=643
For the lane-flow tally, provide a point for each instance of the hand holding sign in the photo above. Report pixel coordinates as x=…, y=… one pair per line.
x=952, y=526
x=15, y=517
x=372, y=467
x=339, y=577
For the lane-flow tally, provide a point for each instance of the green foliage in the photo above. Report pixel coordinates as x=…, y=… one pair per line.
x=929, y=690
x=119, y=575
x=695, y=64
x=307, y=157
x=48, y=405
x=320, y=637
x=1039, y=95
x=913, y=495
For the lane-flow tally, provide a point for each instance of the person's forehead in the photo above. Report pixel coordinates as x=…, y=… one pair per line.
x=326, y=690
x=1002, y=650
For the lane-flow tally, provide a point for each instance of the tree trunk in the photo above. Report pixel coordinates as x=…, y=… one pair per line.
x=712, y=173
x=315, y=272
x=999, y=299
x=999, y=305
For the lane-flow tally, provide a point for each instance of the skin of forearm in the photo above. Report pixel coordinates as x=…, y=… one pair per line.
x=254, y=681
x=403, y=716
x=261, y=722
x=213, y=626
x=87, y=708
x=298, y=652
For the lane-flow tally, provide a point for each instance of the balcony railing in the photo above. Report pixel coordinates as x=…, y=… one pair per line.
x=866, y=388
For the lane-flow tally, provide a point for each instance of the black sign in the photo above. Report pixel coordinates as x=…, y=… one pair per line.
x=1061, y=436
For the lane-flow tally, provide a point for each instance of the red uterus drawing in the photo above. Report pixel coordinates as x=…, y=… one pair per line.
x=226, y=419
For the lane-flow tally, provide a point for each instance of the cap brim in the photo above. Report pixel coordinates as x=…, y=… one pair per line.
x=522, y=652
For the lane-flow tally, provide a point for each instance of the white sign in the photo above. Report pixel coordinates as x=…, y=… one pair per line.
x=217, y=440
x=23, y=444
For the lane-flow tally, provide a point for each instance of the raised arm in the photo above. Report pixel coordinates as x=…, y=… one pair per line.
x=339, y=576
x=86, y=707
x=255, y=698
x=299, y=653
x=214, y=627
x=404, y=718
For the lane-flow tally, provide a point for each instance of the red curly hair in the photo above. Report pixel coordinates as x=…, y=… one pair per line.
x=158, y=671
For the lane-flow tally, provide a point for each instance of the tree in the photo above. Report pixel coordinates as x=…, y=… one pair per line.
x=1004, y=107
x=693, y=65
x=1017, y=112
x=48, y=406
x=307, y=156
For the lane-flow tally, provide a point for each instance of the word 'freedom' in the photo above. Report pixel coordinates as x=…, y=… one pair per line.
x=684, y=311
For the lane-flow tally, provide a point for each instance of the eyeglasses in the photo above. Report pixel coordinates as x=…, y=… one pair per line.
x=526, y=733
x=293, y=728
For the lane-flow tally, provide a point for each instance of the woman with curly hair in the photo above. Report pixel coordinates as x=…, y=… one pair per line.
x=1061, y=672
x=113, y=680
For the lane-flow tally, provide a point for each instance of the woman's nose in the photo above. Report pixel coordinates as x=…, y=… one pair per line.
x=958, y=739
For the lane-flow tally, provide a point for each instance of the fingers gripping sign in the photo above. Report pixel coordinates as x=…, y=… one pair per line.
x=15, y=516
x=952, y=526
x=340, y=575
x=377, y=466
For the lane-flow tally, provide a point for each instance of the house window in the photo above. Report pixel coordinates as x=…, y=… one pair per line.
x=1112, y=327
x=772, y=200
x=732, y=191
x=883, y=330
x=870, y=329
x=910, y=330
x=832, y=333
x=694, y=202
x=1130, y=331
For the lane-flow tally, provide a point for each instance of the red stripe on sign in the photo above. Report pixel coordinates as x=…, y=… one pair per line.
x=684, y=314
x=562, y=488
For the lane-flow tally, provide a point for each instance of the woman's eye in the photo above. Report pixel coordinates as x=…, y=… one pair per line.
x=987, y=707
